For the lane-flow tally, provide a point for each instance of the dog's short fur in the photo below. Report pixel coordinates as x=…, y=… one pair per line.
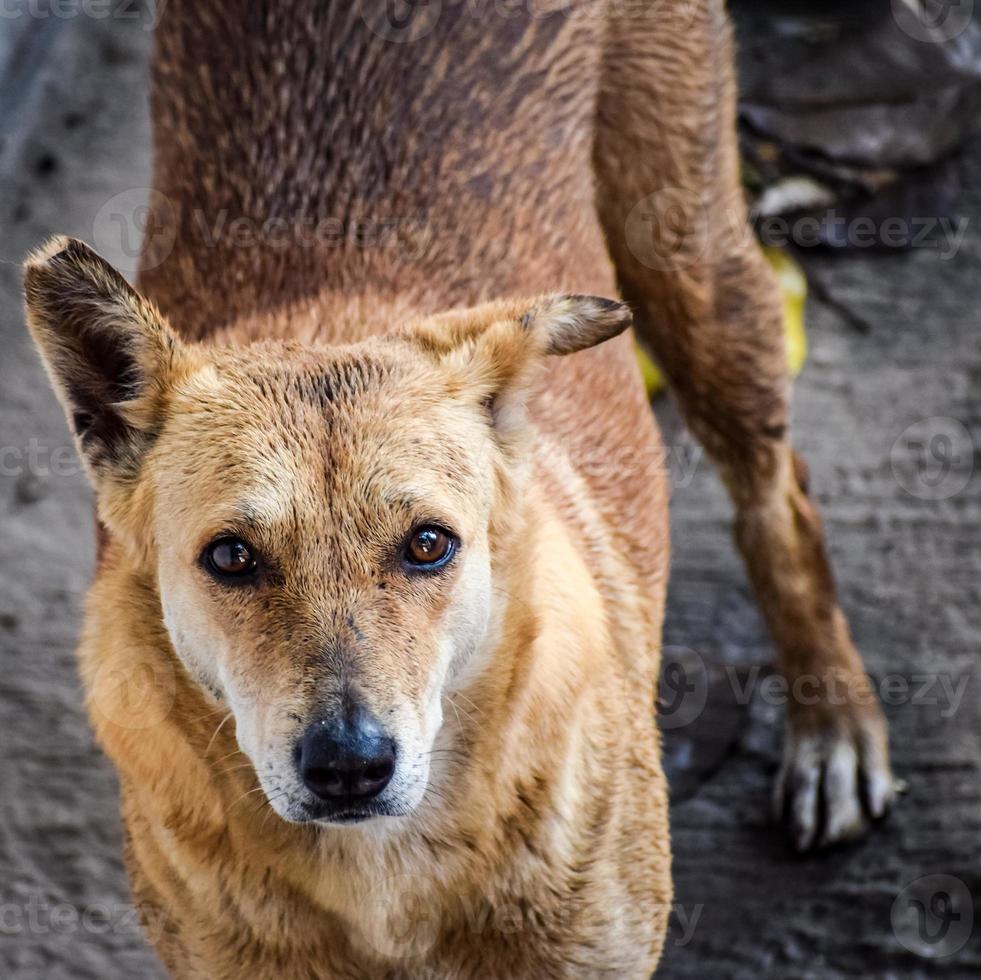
x=319, y=393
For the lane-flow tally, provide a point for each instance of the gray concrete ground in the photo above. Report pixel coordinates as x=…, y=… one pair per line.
x=882, y=412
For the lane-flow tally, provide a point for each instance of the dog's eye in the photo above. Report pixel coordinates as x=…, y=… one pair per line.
x=429, y=547
x=230, y=558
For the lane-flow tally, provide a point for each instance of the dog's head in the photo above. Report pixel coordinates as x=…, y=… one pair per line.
x=319, y=522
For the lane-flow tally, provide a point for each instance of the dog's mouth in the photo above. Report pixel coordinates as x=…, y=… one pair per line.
x=346, y=815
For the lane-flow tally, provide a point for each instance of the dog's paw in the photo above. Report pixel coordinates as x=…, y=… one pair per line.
x=835, y=781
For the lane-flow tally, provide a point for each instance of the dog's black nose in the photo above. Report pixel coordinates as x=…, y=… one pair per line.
x=346, y=757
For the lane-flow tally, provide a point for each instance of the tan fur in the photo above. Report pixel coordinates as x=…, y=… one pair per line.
x=319, y=400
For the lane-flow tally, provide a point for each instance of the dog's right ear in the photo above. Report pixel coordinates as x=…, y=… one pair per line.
x=494, y=351
x=107, y=350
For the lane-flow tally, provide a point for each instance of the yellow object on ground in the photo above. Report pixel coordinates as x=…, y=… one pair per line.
x=793, y=289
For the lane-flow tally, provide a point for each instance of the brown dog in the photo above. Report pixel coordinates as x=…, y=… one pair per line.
x=374, y=635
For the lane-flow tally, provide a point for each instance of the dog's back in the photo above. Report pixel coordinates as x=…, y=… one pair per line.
x=307, y=154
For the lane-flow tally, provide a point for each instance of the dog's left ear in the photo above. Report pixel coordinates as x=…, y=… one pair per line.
x=495, y=350
x=108, y=352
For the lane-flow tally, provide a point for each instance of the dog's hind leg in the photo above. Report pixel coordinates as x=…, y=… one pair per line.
x=669, y=198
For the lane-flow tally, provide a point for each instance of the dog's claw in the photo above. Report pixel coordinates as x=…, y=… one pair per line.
x=831, y=785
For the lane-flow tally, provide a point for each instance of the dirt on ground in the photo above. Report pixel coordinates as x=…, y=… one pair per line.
x=883, y=412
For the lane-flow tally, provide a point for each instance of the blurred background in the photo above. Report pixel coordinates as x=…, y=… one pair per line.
x=862, y=161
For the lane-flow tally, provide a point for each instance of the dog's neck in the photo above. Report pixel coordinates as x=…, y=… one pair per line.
x=341, y=317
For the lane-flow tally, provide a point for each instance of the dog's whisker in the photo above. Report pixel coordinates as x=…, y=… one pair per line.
x=255, y=807
x=460, y=694
x=258, y=789
x=456, y=711
x=228, y=756
x=231, y=769
x=455, y=755
x=221, y=724
x=444, y=750
x=270, y=802
x=473, y=721
x=435, y=791
x=210, y=713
